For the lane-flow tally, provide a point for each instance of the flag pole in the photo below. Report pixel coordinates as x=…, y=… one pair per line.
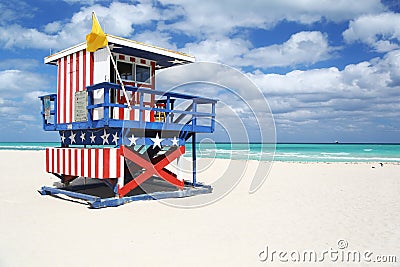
x=117, y=72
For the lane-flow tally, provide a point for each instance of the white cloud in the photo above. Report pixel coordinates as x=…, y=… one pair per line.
x=9, y=111
x=19, y=63
x=161, y=39
x=328, y=102
x=118, y=19
x=357, y=95
x=216, y=18
x=53, y=27
x=302, y=48
x=83, y=2
x=208, y=20
x=11, y=12
x=379, y=31
x=391, y=65
x=19, y=91
x=13, y=83
x=17, y=36
x=224, y=50
x=31, y=97
x=217, y=31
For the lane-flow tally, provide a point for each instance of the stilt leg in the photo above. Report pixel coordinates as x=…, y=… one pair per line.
x=194, y=158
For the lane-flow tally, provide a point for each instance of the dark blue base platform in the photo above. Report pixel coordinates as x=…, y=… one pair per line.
x=98, y=196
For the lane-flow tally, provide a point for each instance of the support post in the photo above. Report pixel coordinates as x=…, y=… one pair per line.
x=106, y=105
x=194, y=158
x=168, y=108
x=55, y=111
x=141, y=110
x=213, y=117
x=90, y=111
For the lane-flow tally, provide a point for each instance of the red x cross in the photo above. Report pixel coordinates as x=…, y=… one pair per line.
x=157, y=168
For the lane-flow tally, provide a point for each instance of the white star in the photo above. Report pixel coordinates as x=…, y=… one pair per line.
x=82, y=136
x=132, y=139
x=72, y=137
x=115, y=138
x=176, y=61
x=92, y=138
x=175, y=141
x=105, y=137
x=157, y=141
x=62, y=138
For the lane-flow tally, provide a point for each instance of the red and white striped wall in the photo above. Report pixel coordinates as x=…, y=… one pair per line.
x=75, y=72
x=86, y=162
x=80, y=69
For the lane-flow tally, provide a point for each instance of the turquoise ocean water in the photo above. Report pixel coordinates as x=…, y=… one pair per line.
x=283, y=152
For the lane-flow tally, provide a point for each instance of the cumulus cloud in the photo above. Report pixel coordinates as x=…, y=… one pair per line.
x=17, y=36
x=83, y=2
x=19, y=63
x=329, y=101
x=342, y=99
x=212, y=18
x=13, y=83
x=358, y=95
x=19, y=103
x=118, y=18
x=224, y=50
x=53, y=27
x=379, y=31
x=12, y=12
x=161, y=39
x=205, y=19
x=302, y=48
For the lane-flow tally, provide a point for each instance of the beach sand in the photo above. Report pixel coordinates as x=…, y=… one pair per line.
x=299, y=207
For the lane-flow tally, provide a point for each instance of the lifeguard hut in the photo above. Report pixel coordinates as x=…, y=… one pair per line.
x=123, y=134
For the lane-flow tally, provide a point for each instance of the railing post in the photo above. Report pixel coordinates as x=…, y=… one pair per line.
x=213, y=117
x=106, y=115
x=194, y=118
x=194, y=158
x=43, y=115
x=141, y=109
x=55, y=111
x=168, y=108
x=90, y=110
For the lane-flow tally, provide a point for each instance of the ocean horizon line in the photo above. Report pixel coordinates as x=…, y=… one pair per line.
x=289, y=152
x=278, y=143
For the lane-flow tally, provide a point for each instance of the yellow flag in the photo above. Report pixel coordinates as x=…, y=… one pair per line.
x=97, y=38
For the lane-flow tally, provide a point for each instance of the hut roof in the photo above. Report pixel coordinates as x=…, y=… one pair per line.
x=164, y=57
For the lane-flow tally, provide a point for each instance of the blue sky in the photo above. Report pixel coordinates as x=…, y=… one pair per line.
x=330, y=70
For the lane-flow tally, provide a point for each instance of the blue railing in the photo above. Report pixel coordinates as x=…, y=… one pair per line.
x=186, y=119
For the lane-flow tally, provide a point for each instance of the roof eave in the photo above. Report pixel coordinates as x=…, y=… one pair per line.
x=150, y=48
x=52, y=59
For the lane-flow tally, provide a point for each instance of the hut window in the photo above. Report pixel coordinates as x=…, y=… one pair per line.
x=142, y=74
x=125, y=70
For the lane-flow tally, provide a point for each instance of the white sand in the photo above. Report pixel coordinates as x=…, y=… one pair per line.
x=299, y=207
